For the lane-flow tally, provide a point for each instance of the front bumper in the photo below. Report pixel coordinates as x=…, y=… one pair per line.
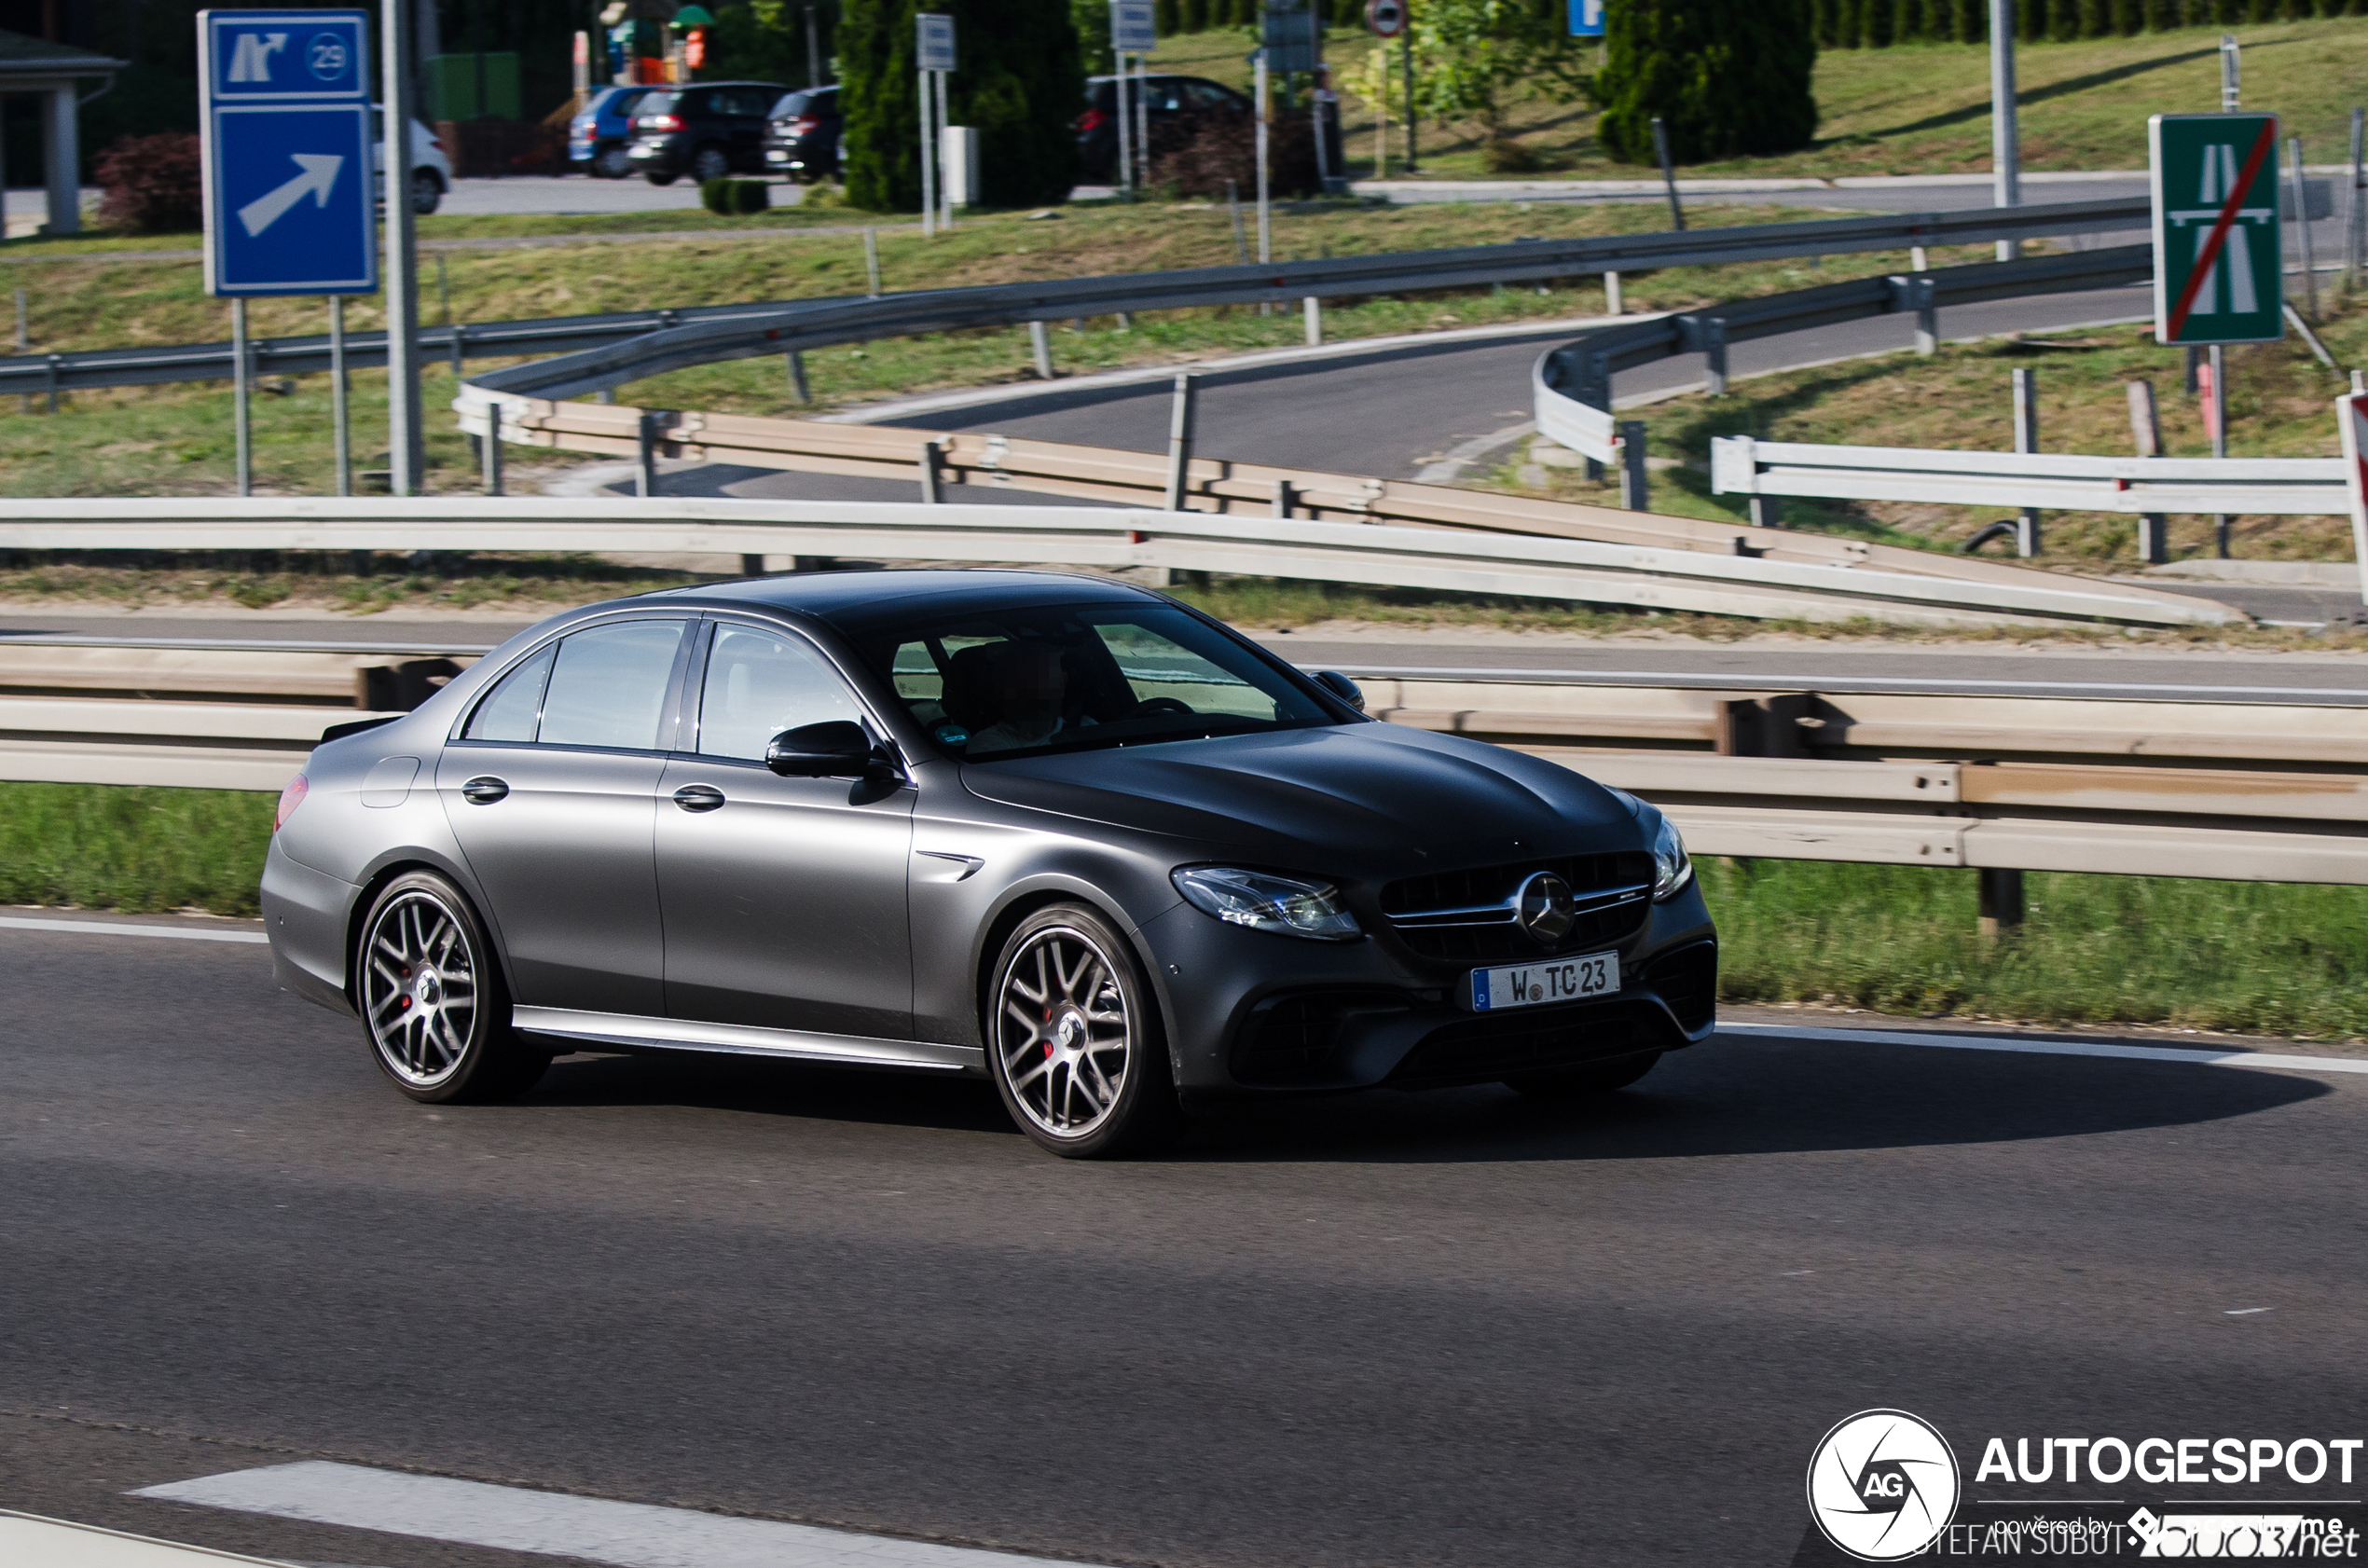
x=1256, y=1014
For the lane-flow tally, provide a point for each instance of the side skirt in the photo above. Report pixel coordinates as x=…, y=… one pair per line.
x=739, y=1039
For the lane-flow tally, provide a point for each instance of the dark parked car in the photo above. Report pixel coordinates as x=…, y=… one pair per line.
x=1059, y=832
x=1172, y=104
x=802, y=135
x=599, y=133
x=706, y=131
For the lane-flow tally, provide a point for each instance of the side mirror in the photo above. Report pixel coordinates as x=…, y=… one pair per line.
x=835, y=749
x=1342, y=687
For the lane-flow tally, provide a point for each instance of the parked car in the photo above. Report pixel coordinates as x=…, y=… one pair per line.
x=1058, y=832
x=802, y=135
x=599, y=133
x=706, y=131
x=1169, y=101
x=430, y=169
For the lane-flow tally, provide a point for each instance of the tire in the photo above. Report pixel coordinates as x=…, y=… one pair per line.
x=1595, y=1077
x=427, y=192
x=657, y=177
x=710, y=163
x=433, y=1001
x=1054, y=1044
x=610, y=163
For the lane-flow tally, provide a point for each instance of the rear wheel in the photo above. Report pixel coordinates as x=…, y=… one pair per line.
x=710, y=163
x=610, y=163
x=1595, y=1077
x=1073, y=1040
x=427, y=192
x=433, y=999
x=659, y=177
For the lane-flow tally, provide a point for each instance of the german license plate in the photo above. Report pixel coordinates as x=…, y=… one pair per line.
x=1564, y=980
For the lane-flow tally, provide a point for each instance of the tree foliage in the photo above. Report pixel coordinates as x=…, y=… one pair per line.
x=1474, y=58
x=1729, y=78
x=1020, y=82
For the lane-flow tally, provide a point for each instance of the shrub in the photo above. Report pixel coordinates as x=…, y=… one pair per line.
x=1020, y=83
x=751, y=196
x=1199, y=159
x=152, y=183
x=1729, y=79
x=716, y=195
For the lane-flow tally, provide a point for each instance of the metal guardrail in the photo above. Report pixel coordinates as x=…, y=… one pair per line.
x=1846, y=584
x=704, y=334
x=1571, y=385
x=2218, y=790
x=1742, y=465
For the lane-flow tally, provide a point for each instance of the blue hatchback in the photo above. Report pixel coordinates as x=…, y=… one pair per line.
x=598, y=133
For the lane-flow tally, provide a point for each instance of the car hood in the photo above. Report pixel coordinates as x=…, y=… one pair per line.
x=1382, y=797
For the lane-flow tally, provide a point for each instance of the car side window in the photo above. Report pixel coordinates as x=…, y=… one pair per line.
x=607, y=685
x=510, y=711
x=760, y=684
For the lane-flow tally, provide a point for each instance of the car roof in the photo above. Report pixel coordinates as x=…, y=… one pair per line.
x=859, y=600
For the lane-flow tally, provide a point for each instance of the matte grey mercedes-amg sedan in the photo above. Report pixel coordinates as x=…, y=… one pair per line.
x=1056, y=831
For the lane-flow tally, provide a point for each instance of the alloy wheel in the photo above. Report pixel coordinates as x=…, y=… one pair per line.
x=1063, y=1036
x=420, y=988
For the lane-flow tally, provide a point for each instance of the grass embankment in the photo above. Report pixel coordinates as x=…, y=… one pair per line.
x=1922, y=108
x=1898, y=938
x=177, y=439
x=2279, y=405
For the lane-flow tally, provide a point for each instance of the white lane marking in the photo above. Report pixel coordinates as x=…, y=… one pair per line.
x=1448, y=468
x=29, y=1538
x=116, y=928
x=2245, y=1312
x=597, y=1528
x=2059, y=1048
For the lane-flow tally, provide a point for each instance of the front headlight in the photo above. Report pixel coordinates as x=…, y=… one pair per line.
x=1671, y=868
x=1265, y=902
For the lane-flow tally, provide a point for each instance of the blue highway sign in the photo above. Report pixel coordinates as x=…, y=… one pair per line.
x=289, y=201
x=1587, y=19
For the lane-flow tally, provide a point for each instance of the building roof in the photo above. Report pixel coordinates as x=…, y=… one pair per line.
x=23, y=56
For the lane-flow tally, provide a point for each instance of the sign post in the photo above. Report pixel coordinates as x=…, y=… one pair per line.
x=1132, y=32
x=933, y=60
x=284, y=118
x=2351, y=414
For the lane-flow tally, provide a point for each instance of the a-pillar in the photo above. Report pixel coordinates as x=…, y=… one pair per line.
x=63, y=156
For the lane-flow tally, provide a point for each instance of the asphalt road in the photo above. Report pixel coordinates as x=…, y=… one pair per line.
x=1452, y=1328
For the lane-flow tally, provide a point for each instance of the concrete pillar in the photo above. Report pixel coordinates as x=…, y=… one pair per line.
x=63, y=161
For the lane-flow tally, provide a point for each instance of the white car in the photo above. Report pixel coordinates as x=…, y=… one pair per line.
x=431, y=170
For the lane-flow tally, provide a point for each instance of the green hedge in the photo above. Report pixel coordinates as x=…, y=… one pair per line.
x=1875, y=23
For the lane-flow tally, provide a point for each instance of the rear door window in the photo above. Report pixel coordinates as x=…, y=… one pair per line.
x=608, y=686
x=509, y=713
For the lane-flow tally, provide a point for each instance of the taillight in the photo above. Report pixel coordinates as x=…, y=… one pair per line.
x=290, y=798
x=437, y=142
x=659, y=122
x=805, y=124
x=1091, y=121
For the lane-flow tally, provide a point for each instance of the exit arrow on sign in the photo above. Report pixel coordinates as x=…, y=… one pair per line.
x=320, y=175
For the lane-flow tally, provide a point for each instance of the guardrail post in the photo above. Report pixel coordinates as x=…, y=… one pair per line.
x=1179, y=438
x=1635, y=492
x=930, y=452
x=1312, y=308
x=493, y=448
x=1926, y=295
x=1715, y=354
x=797, y=376
x=2000, y=901
x=2026, y=440
x=2145, y=430
x=1766, y=514
x=1611, y=293
x=50, y=367
x=1282, y=498
x=458, y=335
x=1039, y=340
x=646, y=474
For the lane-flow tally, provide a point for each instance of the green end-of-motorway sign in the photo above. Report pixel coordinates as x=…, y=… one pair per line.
x=2219, y=252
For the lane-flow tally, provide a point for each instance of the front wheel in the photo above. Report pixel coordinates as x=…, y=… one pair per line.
x=433, y=999
x=610, y=163
x=710, y=163
x=658, y=176
x=1073, y=1040
x=427, y=193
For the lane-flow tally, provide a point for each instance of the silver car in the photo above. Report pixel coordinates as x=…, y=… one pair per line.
x=1058, y=832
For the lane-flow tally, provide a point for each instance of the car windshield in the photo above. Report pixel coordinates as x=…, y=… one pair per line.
x=1027, y=681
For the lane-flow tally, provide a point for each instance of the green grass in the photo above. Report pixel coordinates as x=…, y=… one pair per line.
x=1925, y=108
x=134, y=848
x=2280, y=959
x=2273, y=957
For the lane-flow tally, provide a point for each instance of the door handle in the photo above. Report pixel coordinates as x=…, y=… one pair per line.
x=699, y=797
x=484, y=791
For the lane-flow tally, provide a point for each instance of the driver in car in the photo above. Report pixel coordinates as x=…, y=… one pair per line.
x=1028, y=684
